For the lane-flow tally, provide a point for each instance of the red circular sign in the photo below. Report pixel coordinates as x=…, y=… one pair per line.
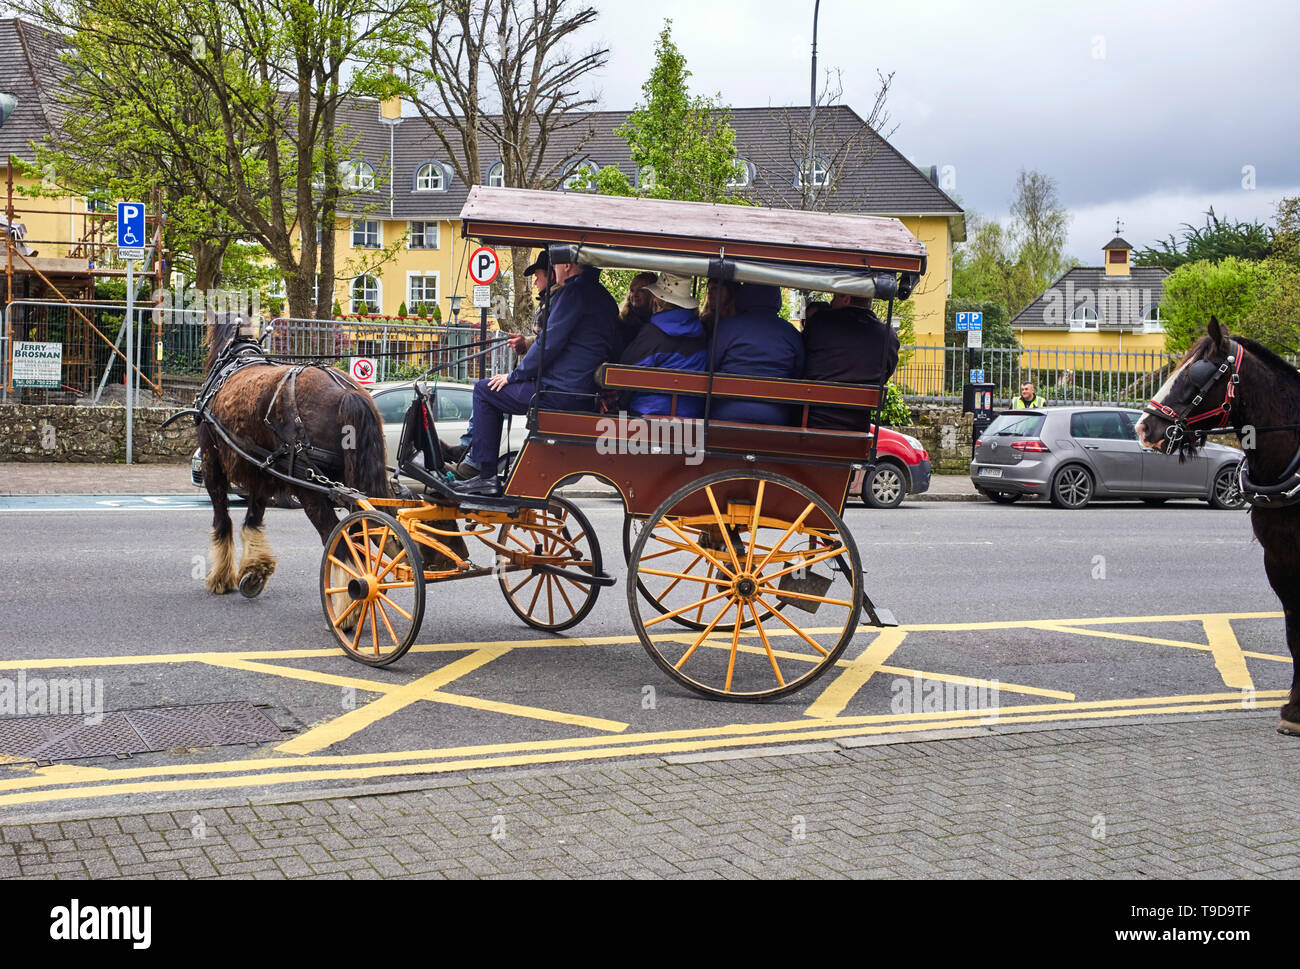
x=363, y=370
x=484, y=265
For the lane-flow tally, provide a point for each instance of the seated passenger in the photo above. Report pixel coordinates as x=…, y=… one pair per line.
x=579, y=335
x=673, y=338
x=635, y=311
x=849, y=344
x=756, y=342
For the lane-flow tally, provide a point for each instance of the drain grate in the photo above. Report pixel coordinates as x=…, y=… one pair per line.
x=69, y=737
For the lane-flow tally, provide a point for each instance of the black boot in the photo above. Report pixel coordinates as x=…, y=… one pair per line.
x=485, y=487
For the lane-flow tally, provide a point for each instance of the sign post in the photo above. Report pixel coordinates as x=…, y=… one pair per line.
x=130, y=246
x=484, y=265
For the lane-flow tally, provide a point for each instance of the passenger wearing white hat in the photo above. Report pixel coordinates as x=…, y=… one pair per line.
x=673, y=339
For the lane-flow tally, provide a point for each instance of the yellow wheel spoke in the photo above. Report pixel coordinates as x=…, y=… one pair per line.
x=753, y=527
x=397, y=559
x=787, y=594
x=344, y=567
x=694, y=605
x=788, y=532
x=563, y=595
x=678, y=576
x=405, y=615
x=374, y=629
x=704, y=635
x=735, y=642
x=722, y=525
x=795, y=628
x=387, y=625
x=805, y=563
x=771, y=657
x=694, y=547
x=346, y=612
x=531, y=576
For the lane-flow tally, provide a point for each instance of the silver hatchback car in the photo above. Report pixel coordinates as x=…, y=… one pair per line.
x=1075, y=455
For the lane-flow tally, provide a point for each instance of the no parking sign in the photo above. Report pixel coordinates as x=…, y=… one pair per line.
x=363, y=370
x=484, y=264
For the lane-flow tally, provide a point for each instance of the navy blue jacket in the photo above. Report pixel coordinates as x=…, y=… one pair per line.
x=675, y=340
x=850, y=346
x=580, y=336
x=757, y=342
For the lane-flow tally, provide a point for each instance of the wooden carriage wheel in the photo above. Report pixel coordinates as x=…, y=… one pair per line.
x=372, y=587
x=662, y=543
x=543, y=599
x=789, y=547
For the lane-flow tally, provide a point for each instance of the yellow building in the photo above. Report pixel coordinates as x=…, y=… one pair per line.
x=1114, y=306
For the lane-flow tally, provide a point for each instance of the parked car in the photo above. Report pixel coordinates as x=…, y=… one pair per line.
x=455, y=404
x=1076, y=455
x=902, y=468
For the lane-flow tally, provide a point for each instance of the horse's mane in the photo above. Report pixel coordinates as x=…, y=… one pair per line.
x=220, y=333
x=1201, y=348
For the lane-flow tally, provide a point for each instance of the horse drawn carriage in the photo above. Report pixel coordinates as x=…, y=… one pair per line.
x=743, y=580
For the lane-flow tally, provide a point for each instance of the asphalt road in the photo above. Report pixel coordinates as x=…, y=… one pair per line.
x=1075, y=613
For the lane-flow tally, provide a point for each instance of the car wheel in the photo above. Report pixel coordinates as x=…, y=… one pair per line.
x=1001, y=497
x=1225, y=495
x=884, y=486
x=1071, y=487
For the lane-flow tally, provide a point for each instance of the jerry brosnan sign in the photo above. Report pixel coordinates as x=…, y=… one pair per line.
x=38, y=364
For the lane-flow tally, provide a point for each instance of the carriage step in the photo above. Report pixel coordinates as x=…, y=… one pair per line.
x=573, y=575
x=881, y=618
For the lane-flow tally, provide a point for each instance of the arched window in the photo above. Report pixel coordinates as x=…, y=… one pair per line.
x=1152, y=322
x=821, y=172
x=430, y=177
x=581, y=177
x=497, y=176
x=365, y=294
x=1084, y=317
x=741, y=177
x=356, y=176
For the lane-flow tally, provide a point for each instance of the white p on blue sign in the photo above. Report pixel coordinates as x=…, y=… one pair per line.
x=130, y=230
x=970, y=321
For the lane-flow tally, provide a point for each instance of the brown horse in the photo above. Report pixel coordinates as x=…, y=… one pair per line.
x=1231, y=380
x=323, y=410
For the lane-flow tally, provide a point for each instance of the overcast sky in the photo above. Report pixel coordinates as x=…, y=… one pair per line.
x=1147, y=110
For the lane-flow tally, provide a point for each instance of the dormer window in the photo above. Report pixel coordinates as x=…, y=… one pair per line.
x=581, y=177
x=741, y=177
x=496, y=177
x=1084, y=317
x=356, y=176
x=821, y=173
x=430, y=177
x=1152, y=322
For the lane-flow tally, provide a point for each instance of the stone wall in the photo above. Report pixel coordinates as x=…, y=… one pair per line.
x=92, y=434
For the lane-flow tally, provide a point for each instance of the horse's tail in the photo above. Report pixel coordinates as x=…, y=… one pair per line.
x=364, y=467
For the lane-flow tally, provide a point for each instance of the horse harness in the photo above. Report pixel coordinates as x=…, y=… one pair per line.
x=1285, y=492
x=296, y=460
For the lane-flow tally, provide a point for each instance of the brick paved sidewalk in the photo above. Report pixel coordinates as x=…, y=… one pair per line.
x=1184, y=799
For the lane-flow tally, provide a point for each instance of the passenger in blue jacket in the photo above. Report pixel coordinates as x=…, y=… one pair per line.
x=579, y=336
x=674, y=339
x=757, y=342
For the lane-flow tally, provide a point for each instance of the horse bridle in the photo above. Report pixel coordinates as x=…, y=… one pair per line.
x=1181, y=423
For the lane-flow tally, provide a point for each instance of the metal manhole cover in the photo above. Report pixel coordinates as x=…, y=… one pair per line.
x=69, y=737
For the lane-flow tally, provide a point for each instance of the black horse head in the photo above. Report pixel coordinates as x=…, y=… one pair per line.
x=222, y=329
x=1196, y=398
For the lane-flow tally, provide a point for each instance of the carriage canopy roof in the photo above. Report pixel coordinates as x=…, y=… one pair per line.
x=843, y=245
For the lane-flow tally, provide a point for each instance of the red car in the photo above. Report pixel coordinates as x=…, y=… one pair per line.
x=902, y=468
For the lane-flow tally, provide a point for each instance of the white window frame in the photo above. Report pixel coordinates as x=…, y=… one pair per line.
x=377, y=307
x=1081, y=323
x=357, y=175
x=434, y=167
x=646, y=177
x=747, y=179
x=592, y=171
x=418, y=274
x=437, y=233
x=1152, y=321
x=496, y=175
x=379, y=234
x=818, y=162
x=92, y=206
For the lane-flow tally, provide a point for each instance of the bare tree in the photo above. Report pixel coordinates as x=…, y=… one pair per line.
x=835, y=148
x=500, y=82
x=1039, y=224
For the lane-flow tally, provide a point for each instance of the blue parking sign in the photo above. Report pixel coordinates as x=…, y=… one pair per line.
x=130, y=230
x=977, y=376
x=970, y=321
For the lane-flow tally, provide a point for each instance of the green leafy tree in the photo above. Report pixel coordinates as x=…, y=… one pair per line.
x=1038, y=226
x=1286, y=234
x=683, y=145
x=987, y=269
x=1195, y=291
x=1217, y=240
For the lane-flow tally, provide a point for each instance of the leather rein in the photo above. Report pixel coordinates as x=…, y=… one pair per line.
x=1282, y=494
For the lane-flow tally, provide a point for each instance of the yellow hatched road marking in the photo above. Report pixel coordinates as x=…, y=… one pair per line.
x=822, y=730
x=1228, y=657
x=835, y=697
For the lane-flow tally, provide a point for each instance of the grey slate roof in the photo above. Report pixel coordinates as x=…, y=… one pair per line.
x=1117, y=243
x=874, y=179
x=1120, y=302
x=29, y=70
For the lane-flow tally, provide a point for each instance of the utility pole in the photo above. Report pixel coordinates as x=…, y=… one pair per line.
x=812, y=112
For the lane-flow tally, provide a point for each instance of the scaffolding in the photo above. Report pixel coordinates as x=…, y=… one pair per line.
x=50, y=298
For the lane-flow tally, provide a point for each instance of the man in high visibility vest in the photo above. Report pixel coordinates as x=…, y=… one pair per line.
x=1028, y=398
